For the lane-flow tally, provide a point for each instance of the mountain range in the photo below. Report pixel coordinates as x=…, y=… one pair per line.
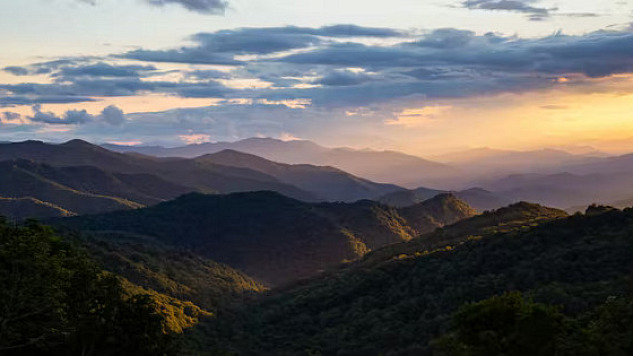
x=478, y=198
x=273, y=238
x=554, y=177
x=243, y=255
x=400, y=299
x=77, y=177
x=379, y=166
x=329, y=183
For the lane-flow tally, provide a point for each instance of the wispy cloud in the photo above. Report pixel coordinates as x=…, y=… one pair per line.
x=523, y=6
x=213, y=7
x=221, y=47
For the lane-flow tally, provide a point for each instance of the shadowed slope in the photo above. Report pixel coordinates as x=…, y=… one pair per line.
x=182, y=173
x=326, y=182
x=397, y=305
x=23, y=208
x=273, y=238
x=379, y=166
x=19, y=179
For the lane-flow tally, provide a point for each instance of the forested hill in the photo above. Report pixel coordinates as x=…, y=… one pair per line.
x=273, y=238
x=397, y=306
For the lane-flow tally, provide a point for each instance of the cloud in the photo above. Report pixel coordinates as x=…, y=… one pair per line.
x=190, y=55
x=16, y=70
x=71, y=117
x=102, y=69
x=191, y=139
x=202, y=6
x=212, y=7
x=440, y=64
x=418, y=117
x=220, y=47
x=596, y=54
x=111, y=115
x=44, y=67
x=80, y=89
x=523, y=6
x=446, y=38
x=13, y=100
x=208, y=74
x=345, y=30
x=343, y=78
x=580, y=14
x=9, y=116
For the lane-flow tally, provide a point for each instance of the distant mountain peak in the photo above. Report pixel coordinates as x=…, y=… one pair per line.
x=231, y=153
x=524, y=208
x=26, y=143
x=78, y=143
x=449, y=200
x=476, y=190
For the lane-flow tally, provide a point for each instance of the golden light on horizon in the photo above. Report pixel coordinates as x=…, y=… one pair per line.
x=563, y=116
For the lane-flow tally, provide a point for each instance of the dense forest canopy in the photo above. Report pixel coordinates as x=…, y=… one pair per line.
x=55, y=300
x=398, y=306
x=521, y=269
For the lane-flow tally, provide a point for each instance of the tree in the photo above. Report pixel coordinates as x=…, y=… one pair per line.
x=54, y=299
x=503, y=325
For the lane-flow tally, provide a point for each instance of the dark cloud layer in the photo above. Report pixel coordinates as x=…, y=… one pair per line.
x=44, y=67
x=13, y=100
x=595, y=55
x=221, y=47
x=334, y=70
x=8, y=115
x=203, y=6
x=213, y=7
x=523, y=6
x=343, y=78
x=71, y=117
x=105, y=70
x=111, y=115
x=84, y=88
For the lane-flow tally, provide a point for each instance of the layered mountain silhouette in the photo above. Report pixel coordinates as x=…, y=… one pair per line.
x=379, y=166
x=564, y=190
x=80, y=178
x=273, y=238
x=45, y=184
x=327, y=182
x=478, y=198
x=488, y=161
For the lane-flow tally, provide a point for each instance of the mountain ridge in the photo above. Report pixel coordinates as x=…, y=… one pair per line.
x=273, y=238
x=379, y=166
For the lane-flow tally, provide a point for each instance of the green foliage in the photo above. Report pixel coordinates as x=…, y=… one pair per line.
x=25, y=179
x=180, y=274
x=509, y=325
x=607, y=330
x=272, y=238
x=54, y=300
x=516, y=217
x=395, y=306
x=503, y=325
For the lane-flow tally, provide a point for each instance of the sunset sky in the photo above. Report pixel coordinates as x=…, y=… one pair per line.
x=424, y=77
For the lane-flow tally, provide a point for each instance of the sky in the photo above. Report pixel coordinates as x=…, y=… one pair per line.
x=423, y=77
